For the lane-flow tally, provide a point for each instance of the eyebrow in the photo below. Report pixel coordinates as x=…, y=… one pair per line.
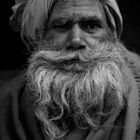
x=95, y=19
x=81, y=18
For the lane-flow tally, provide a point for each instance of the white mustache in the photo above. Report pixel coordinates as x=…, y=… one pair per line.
x=99, y=53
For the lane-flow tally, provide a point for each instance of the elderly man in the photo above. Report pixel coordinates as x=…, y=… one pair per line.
x=81, y=82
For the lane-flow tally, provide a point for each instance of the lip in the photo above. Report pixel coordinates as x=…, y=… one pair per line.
x=74, y=64
x=71, y=61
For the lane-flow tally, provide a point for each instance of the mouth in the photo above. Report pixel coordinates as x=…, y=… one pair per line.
x=71, y=61
x=74, y=64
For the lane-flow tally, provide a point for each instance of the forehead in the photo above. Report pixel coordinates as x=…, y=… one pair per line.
x=77, y=8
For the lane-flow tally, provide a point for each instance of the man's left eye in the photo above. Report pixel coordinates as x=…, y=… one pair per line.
x=90, y=25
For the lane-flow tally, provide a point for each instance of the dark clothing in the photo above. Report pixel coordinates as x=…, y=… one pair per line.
x=17, y=121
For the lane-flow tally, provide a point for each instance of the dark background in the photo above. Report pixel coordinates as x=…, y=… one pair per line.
x=13, y=53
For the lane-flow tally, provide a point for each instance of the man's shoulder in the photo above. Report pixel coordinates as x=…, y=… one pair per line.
x=133, y=60
x=10, y=83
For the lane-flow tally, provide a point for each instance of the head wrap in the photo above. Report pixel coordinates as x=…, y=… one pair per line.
x=31, y=15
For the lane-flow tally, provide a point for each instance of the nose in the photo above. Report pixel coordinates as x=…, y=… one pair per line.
x=76, y=42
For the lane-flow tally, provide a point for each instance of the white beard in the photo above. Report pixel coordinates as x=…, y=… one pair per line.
x=74, y=85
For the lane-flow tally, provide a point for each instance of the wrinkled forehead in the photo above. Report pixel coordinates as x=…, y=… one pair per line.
x=77, y=8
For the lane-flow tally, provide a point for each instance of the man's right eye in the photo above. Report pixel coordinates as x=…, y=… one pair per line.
x=62, y=26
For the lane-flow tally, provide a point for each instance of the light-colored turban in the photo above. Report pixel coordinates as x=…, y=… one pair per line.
x=31, y=15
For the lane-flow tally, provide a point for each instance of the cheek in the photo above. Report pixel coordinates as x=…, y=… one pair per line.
x=102, y=33
x=93, y=39
x=60, y=39
x=90, y=40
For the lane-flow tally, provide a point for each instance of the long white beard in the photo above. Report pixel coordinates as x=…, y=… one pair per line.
x=72, y=86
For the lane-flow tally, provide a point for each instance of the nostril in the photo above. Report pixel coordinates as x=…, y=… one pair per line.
x=73, y=48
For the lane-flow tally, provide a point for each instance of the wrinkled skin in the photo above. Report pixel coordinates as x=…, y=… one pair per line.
x=77, y=24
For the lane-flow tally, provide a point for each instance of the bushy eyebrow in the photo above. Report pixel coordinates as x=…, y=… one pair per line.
x=93, y=19
x=61, y=19
x=81, y=18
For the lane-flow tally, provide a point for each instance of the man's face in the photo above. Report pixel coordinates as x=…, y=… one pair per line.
x=77, y=24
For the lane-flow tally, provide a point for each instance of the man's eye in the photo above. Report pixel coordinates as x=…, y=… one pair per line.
x=62, y=26
x=90, y=25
